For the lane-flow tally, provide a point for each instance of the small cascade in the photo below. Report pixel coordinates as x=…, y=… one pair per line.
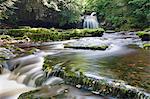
x=23, y=69
x=102, y=86
x=24, y=74
x=90, y=21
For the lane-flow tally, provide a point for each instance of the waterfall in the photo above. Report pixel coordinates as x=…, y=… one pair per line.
x=90, y=21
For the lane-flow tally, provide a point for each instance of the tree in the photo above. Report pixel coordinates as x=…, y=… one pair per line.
x=62, y=11
x=122, y=14
x=6, y=7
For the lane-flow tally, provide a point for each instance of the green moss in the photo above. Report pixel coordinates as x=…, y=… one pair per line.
x=24, y=27
x=87, y=32
x=147, y=29
x=43, y=34
x=7, y=37
x=141, y=33
x=146, y=46
x=87, y=47
x=145, y=36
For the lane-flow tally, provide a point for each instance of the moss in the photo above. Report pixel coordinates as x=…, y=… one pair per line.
x=87, y=32
x=87, y=47
x=146, y=46
x=145, y=36
x=43, y=34
x=147, y=29
x=24, y=27
x=7, y=37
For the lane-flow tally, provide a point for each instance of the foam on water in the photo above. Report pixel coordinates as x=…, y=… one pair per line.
x=11, y=89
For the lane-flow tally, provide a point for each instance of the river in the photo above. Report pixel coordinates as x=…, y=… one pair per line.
x=124, y=60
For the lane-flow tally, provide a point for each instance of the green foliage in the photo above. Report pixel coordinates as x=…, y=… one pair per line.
x=7, y=8
x=123, y=14
x=70, y=12
x=6, y=37
x=56, y=11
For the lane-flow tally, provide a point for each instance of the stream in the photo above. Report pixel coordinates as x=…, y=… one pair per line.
x=124, y=60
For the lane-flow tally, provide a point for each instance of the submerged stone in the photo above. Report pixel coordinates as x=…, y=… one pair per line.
x=87, y=47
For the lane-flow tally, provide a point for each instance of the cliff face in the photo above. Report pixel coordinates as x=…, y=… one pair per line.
x=45, y=13
x=34, y=13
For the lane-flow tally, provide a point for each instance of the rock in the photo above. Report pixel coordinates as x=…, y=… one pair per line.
x=5, y=54
x=110, y=31
x=1, y=69
x=146, y=46
x=87, y=47
x=145, y=36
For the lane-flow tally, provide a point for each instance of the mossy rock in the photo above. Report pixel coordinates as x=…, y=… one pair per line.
x=147, y=29
x=145, y=36
x=5, y=54
x=87, y=32
x=6, y=37
x=110, y=31
x=87, y=47
x=44, y=34
x=24, y=27
x=146, y=46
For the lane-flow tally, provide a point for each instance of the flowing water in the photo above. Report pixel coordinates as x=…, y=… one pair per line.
x=90, y=21
x=123, y=60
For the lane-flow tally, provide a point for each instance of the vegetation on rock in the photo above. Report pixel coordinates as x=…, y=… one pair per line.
x=146, y=46
x=121, y=14
x=112, y=14
x=87, y=47
x=43, y=34
x=145, y=36
x=100, y=86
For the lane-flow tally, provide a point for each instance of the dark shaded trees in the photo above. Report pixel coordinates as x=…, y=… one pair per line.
x=55, y=12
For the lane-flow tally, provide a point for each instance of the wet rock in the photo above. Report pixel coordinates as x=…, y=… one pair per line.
x=1, y=69
x=87, y=47
x=5, y=54
x=45, y=92
x=145, y=36
x=146, y=46
x=110, y=31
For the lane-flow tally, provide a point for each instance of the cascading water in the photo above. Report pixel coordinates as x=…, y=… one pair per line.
x=23, y=74
x=90, y=21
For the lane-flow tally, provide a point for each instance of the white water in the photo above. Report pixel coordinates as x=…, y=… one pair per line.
x=90, y=21
x=30, y=67
x=11, y=89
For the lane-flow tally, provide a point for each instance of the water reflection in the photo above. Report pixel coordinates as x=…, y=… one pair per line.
x=132, y=66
